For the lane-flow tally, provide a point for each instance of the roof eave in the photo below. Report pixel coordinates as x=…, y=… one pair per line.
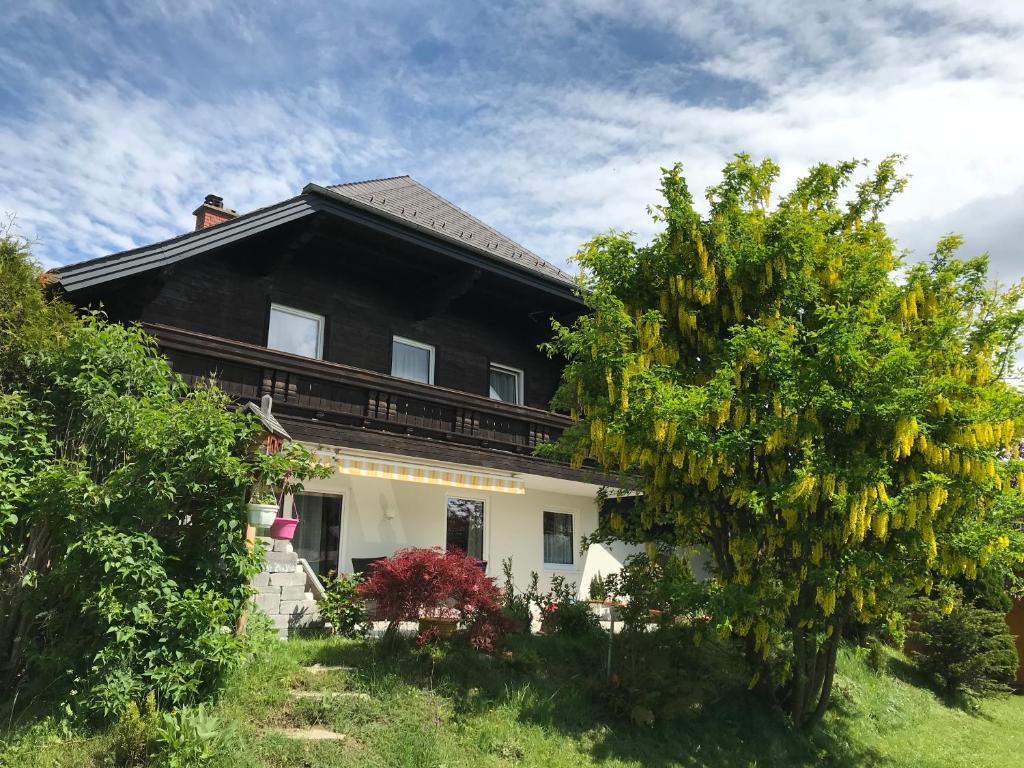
x=84, y=274
x=453, y=246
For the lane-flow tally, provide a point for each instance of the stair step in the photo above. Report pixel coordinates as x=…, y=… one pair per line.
x=329, y=695
x=309, y=734
x=318, y=669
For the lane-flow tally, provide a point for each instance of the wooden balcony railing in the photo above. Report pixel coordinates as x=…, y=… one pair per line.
x=342, y=394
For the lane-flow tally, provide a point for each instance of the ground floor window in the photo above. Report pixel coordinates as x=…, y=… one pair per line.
x=465, y=526
x=318, y=537
x=558, y=538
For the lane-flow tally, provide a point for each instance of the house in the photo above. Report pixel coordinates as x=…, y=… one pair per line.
x=398, y=337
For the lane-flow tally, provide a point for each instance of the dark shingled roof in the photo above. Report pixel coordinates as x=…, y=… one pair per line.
x=405, y=199
x=400, y=200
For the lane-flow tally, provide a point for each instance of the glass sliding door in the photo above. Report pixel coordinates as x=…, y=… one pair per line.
x=318, y=537
x=465, y=526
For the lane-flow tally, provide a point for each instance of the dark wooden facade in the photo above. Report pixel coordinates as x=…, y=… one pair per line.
x=211, y=315
x=367, y=293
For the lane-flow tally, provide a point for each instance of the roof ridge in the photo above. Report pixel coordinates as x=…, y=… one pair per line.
x=519, y=251
x=367, y=181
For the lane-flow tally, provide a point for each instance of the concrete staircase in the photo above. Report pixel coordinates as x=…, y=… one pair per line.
x=281, y=589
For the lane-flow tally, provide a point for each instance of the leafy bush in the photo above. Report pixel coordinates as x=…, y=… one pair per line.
x=599, y=588
x=562, y=613
x=134, y=734
x=343, y=606
x=190, y=738
x=963, y=648
x=515, y=605
x=416, y=582
x=123, y=565
x=657, y=591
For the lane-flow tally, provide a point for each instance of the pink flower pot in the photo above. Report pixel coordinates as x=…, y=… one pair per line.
x=283, y=528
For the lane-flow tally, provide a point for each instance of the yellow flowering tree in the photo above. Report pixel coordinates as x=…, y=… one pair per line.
x=834, y=431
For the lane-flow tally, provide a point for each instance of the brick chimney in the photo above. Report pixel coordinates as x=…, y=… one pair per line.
x=211, y=212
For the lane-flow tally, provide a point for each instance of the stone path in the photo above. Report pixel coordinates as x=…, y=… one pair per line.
x=319, y=669
x=329, y=695
x=310, y=734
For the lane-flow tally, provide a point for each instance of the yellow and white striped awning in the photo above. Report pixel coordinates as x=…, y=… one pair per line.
x=386, y=469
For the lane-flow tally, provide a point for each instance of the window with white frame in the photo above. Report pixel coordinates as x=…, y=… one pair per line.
x=506, y=384
x=295, y=331
x=412, y=360
x=464, y=529
x=558, y=538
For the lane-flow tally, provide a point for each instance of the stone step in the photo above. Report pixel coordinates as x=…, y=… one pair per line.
x=309, y=734
x=319, y=669
x=329, y=695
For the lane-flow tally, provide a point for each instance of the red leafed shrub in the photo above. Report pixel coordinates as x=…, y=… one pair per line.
x=428, y=582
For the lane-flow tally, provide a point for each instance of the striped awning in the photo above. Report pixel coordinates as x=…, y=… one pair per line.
x=362, y=466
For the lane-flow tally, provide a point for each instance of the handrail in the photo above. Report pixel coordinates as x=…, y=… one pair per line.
x=312, y=580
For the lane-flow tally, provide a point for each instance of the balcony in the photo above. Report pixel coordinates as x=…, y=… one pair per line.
x=332, y=393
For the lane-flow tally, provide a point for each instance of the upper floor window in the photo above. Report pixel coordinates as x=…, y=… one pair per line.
x=506, y=384
x=412, y=360
x=295, y=331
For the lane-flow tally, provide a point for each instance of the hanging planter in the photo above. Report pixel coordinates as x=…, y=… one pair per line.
x=283, y=528
x=261, y=515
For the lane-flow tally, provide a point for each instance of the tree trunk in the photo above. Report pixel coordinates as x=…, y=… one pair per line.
x=15, y=616
x=813, y=674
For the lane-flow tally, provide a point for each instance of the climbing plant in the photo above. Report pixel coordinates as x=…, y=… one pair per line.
x=832, y=425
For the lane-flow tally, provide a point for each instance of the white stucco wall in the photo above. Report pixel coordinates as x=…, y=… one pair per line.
x=380, y=516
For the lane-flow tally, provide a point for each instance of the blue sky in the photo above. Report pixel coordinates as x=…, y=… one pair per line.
x=548, y=121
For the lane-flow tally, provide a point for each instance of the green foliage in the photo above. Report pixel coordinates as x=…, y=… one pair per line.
x=562, y=613
x=833, y=437
x=961, y=647
x=190, y=737
x=659, y=592
x=133, y=735
x=342, y=606
x=29, y=322
x=515, y=605
x=123, y=565
x=598, y=589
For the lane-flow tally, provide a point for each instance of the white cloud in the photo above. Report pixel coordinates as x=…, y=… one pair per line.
x=100, y=168
x=96, y=164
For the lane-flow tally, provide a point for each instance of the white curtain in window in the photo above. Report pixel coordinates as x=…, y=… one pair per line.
x=504, y=386
x=558, y=547
x=409, y=362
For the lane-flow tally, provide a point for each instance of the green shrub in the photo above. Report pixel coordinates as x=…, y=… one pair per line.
x=133, y=735
x=515, y=605
x=598, y=588
x=190, y=738
x=658, y=591
x=562, y=613
x=123, y=563
x=965, y=650
x=342, y=606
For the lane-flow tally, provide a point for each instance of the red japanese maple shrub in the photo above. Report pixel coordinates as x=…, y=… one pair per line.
x=428, y=582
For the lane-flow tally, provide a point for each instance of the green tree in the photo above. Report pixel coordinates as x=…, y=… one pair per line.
x=832, y=434
x=123, y=565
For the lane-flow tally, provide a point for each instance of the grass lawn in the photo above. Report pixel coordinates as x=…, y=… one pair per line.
x=544, y=707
